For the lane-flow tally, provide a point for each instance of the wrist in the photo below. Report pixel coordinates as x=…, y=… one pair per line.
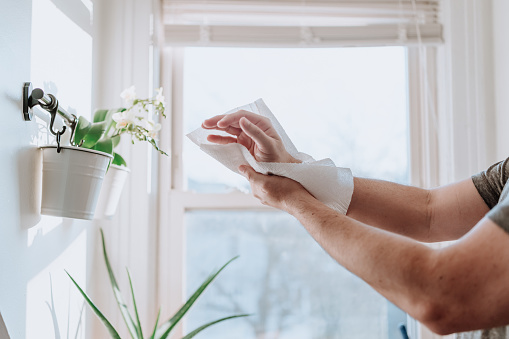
x=296, y=204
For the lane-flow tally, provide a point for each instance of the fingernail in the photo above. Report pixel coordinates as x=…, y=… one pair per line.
x=242, y=169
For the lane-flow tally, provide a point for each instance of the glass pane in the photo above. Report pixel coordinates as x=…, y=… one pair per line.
x=347, y=104
x=292, y=288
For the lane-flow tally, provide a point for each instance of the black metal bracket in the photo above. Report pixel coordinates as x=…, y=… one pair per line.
x=27, y=101
x=49, y=103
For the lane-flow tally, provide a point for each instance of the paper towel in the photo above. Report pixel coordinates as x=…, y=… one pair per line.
x=330, y=184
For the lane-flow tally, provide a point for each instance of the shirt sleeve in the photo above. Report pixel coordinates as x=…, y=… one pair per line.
x=500, y=214
x=490, y=183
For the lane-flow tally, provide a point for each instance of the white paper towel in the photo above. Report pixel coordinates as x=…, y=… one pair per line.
x=330, y=184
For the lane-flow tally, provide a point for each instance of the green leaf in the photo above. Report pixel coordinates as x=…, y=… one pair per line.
x=118, y=160
x=168, y=326
x=153, y=335
x=138, y=328
x=114, y=334
x=82, y=128
x=104, y=145
x=201, y=328
x=100, y=115
x=116, y=140
x=93, y=135
x=110, y=123
x=131, y=326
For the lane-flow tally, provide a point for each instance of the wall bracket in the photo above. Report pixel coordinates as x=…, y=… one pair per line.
x=48, y=102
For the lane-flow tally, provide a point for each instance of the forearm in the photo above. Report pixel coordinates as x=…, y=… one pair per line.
x=444, y=213
x=444, y=289
x=397, y=267
x=393, y=207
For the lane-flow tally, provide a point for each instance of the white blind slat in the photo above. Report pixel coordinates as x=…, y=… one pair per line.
x=277, y=36
x=300, y=23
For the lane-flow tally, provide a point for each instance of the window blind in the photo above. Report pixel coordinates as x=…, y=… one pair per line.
x=294, y=23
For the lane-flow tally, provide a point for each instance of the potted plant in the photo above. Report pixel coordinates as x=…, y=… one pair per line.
x=73, y=175
x=71, y=180
x=160, y=331
x=104, y=134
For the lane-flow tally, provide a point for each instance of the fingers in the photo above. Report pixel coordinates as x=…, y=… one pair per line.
x=230, y=130
x=225, y=120
x=255, y=133
x=249, y=173
x=219, y=139
x=212, y=122
x=234, y=118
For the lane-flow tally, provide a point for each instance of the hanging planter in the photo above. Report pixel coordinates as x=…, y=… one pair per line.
x=73, y=176
x=71, y=181
x=111, y=191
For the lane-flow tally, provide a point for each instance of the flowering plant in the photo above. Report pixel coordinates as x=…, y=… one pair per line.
x=104, y=132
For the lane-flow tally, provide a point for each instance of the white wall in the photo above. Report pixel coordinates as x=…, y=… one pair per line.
x=50, y=44
x=501, y=67
x=85, y=52
x=465, y=92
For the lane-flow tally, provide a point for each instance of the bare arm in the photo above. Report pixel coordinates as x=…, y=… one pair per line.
x=459, y=288
x=445, y=213
x=440, y=214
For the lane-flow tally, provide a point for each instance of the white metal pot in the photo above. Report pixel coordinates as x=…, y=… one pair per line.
x=111, y=191
x=71, y=181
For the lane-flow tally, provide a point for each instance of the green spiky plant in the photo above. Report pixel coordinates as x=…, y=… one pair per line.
x=134, y=326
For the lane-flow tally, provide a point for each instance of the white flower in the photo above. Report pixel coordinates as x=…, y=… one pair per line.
x=138, y=110
x=159, y=96
x=124, y=119
x=152, y=128
x=129, y=95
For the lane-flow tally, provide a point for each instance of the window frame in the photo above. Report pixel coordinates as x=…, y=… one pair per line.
x=423, y=157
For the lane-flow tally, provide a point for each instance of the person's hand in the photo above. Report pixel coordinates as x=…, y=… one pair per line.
x=251, y=130
x=275, y=191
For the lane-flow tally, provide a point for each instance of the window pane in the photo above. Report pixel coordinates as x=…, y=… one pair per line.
x=283, y=277
x=347, y=104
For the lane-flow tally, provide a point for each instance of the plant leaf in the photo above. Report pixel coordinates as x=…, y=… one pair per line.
x=100, y=115
x=82, y=128
x=116, y=140
x=138, y=328
x=114, y=334
x=153, y=335
x=104, y=145
x=118, y=160
x=168, y=326
x=110, y=123
x=131, y=326
x=201, y=328
x=93, y=135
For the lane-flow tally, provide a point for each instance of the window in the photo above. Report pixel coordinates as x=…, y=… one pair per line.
x=349, y=104
x=366, y=107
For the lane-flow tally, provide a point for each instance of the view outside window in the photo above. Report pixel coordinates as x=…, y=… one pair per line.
x=347, y=104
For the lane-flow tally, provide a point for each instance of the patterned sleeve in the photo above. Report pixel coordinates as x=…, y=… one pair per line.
x=490, y=183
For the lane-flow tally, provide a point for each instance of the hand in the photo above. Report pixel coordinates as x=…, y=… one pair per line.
x=251, y=130
x=279, y=192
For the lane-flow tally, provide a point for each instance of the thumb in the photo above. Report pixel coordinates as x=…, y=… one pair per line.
x=255, y=133
x=248, y=172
